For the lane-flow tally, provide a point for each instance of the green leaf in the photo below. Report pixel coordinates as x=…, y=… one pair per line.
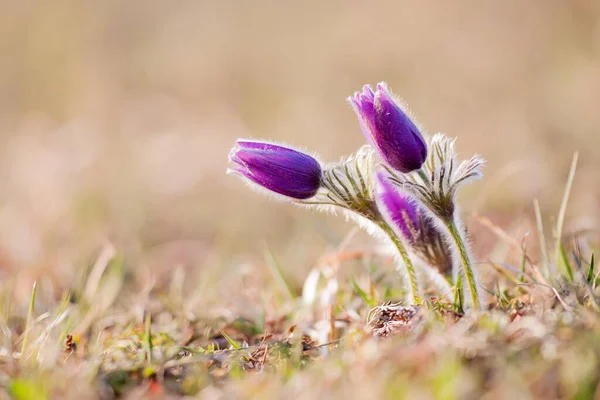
x=232, y=342
x=277, y=273
x=567, y=269
x=561, y=215
x=29, y=323
x=523, y=266
x=148, y=337
x=590, y=274
x=367, y=299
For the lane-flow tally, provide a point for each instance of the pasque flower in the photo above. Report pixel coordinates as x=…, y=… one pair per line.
x=411, y=200
x=348, y=185
x=409, y=220
x=435, y=187
x=277, y=168
x=399, y=210
x=389, y=129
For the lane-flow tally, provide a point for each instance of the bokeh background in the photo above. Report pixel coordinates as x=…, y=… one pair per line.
x=116, y=119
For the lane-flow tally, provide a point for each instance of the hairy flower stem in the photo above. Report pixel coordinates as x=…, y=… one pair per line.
x=467, y=267
x=410, y=269
x=459, y=295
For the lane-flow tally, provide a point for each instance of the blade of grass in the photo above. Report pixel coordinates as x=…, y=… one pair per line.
x=275, y=270
x=93, y=281
x=367, y=299
x=508, y=239
x=564, y=258
x=105, y=293
x=29, y=322
x=589, y=286
x=232, y=342
x=590, y=274
x=503, y=271
x=148, y=337
x=561, y=217
x=541, y=237
x=500, y=296
x=523, y=265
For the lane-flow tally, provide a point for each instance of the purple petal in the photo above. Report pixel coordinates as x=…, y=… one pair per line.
x=363, y=106
x=368, y=92
x=277, y=168
x=399, y=140
x=399, y=209
x=389, y=129
x=252, y=144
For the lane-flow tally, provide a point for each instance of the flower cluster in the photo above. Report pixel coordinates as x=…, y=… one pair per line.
x=398, y=184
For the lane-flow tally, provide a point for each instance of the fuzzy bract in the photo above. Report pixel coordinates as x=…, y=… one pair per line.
x=435, y=186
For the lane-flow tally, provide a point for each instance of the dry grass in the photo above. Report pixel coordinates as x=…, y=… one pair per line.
x=115, y=333
x=159, y=276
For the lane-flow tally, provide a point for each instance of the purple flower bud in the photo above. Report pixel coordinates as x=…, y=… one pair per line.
x=280, y=169
x=399, y=210
x=408, y=219
x=389, y=129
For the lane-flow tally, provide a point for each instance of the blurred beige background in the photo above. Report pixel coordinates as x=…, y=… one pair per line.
x=116, y=117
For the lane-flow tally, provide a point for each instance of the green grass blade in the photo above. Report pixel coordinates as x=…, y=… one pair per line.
x=562, y=211
x=232, y=342
x=567, y=269
x=148, y=337
x=367, y=299
x=541, y=237
x=590, y=274
x=275, y=270
x=523, y=266
x=29, y=323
